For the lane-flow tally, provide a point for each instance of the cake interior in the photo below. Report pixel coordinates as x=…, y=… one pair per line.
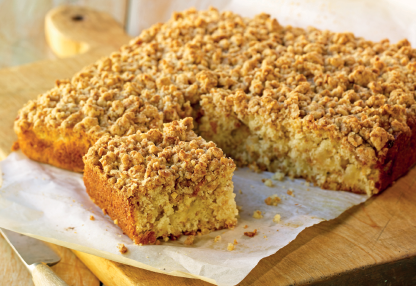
x=291, y=147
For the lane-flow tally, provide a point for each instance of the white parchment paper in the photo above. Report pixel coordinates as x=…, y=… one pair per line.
x=51, y=204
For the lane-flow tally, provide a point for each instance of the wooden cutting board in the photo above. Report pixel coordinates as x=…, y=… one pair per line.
x=371, y=244
x=14, y=273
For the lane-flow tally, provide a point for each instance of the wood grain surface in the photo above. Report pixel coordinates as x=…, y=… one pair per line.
x=371, y=244
x=70, y=269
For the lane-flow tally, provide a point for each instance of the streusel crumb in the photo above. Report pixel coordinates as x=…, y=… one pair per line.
x=250, y=233
x=122, y=248
x=272, y=200
x=189, y=240
x=278, y=176
x=276, y=218
x=268, y=183
x=257, y=214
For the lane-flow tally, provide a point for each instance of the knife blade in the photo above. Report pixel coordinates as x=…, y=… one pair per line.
x=36, y=255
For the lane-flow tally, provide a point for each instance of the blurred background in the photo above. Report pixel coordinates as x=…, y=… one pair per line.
x=22, y=37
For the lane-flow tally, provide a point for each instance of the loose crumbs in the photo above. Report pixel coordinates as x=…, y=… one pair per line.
x=189, y=240
x=257, y=214
x=122, y=248
x=250, y=233
x=276, y=218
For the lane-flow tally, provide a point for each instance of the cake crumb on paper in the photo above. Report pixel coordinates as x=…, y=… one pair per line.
x=276, y=218
x=268, y=183
x=230, y=247
x=189, y=240
x=257, y=214
x=278, y=176
x=240, y=208
x=15, y=146
x=92, y=217
x=307, y=184
x=250, y=233
x=240, y=192
x=122, y=248
x=246, y=226
x=290, y=193
x=235, y=241
x=272, y=200
x=217, y=238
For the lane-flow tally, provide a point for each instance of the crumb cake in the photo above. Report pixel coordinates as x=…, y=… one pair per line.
x=332, y=108
x=162, y=183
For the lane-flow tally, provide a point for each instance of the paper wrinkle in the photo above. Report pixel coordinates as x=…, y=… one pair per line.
x=52, y=204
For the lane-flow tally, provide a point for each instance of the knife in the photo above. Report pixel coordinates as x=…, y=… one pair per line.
x=36, y=255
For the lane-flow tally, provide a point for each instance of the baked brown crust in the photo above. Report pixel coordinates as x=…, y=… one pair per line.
x=400, y=157
x=119, y=208
x=63, y=152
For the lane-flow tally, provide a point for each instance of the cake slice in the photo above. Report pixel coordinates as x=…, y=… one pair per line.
x=161, y=184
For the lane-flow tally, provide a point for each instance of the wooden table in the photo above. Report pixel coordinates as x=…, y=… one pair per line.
x=371, y=244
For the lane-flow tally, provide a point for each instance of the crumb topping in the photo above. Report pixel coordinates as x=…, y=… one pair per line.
x=334, y=81
x=142, y=161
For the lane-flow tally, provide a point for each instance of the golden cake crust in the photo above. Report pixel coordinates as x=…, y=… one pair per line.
x=117, y=207
x=61, y=151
